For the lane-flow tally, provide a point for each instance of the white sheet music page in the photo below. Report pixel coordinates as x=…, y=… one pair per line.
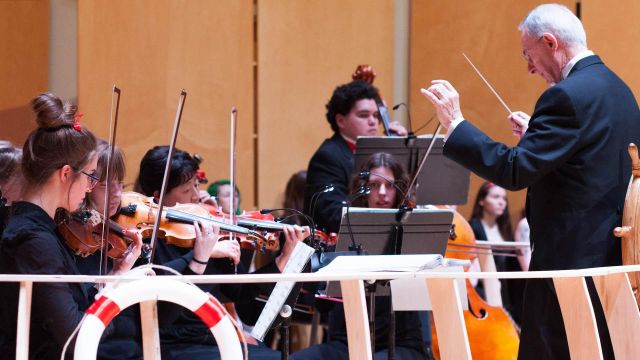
x=281, y=291
x=405, y=263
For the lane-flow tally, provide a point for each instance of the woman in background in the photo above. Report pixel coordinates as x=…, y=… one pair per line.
x=490, y=220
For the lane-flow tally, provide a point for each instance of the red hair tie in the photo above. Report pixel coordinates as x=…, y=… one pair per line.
x=201, y=176
x=76, y=122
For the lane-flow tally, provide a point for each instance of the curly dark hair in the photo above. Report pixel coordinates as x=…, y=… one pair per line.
x=345, y=96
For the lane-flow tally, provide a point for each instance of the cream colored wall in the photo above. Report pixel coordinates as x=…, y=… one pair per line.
x=152, y=49
x=306, y=49
x=24, y=32
x=487, y=32
x=613, y=34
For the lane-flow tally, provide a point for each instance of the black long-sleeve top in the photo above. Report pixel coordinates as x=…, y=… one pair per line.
x=182, y=326
x=31, y=245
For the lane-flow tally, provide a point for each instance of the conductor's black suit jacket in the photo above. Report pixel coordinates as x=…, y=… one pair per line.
x=574, y=161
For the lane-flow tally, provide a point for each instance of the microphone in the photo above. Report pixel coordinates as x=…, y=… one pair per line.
x=362, y=191
x=397, y=106
x=316, y=196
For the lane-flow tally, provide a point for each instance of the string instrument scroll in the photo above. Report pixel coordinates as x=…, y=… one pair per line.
x=366, y=74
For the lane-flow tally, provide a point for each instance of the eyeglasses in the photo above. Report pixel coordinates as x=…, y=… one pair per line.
x=525, y=52
x=93, y=180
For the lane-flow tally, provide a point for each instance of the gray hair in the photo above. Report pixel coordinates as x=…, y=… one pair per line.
x=555, y=19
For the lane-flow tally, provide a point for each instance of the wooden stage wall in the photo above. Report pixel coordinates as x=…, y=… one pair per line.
x=153, y=49
x=24, y=64
x=280, y=71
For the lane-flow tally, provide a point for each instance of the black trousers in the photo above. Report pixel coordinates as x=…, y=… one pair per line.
x=543, y=334
x=336, y=350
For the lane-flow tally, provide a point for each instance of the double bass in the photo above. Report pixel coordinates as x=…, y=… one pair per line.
x=491, y=331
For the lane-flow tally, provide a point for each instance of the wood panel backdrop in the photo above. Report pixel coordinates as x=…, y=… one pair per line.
x=278, y=61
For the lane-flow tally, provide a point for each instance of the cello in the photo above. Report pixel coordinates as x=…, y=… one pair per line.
x=491, y=331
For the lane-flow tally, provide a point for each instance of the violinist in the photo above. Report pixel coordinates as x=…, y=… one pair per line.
x=188, y=337
x=571, y=157
x=352, y=111
x=387, y=181
x=96, y=198
x=58, y=167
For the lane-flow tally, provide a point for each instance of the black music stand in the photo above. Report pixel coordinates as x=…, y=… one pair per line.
x=379, y=232
x=441, y=181
x=371, y=231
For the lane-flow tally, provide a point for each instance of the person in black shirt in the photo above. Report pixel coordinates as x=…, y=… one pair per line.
x=187, y=337
x=387, y=176
x=58, y=167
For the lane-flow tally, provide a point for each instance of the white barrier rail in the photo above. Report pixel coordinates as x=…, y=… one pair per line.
x=612, y=284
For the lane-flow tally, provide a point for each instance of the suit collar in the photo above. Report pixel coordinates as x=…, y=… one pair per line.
x=342, y=144
x=588, y=61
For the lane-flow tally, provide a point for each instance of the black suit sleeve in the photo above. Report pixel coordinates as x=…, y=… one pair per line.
x=551, y=139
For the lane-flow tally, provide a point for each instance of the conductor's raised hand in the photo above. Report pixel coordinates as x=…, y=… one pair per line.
x=446, y=101
x=519, y=123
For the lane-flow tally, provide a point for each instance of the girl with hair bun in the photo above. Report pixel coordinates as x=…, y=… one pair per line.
x=59, y=169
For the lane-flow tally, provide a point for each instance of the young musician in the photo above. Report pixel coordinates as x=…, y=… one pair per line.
x=388, y=182
x=188, y=337
x=352, y=111
x=59, y=166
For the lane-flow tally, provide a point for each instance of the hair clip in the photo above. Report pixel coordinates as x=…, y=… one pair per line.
x=201, y=176
x=76, y=122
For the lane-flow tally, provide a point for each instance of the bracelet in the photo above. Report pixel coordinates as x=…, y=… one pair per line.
x=199, y=262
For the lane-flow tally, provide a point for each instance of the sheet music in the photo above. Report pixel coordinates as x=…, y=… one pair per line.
x=419, y=262
x=281, y=291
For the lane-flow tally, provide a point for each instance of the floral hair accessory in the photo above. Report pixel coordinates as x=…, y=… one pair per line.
x=201, y=176
x=76, y=122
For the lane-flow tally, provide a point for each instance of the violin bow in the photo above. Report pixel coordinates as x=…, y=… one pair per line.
x=232, y=171
x=113, y=126
x=165, y=179
x=424, y=160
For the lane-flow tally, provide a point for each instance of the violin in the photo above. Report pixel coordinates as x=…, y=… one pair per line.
x=82, y=232
x=176, y=224
x=320, y=237
x=491, y=331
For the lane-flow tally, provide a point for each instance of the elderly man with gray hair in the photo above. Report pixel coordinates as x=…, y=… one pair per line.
x=572, y=158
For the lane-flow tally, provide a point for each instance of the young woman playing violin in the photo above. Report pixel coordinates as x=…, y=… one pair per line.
x=58, y=167
x=188, y=337
x=387, y=181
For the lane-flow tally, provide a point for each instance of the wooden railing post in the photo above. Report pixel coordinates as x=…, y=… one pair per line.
x=621, y=311
x=150, y=331
x=24, y=320
x=355, y=313
x=579, y=319
x=453, y=340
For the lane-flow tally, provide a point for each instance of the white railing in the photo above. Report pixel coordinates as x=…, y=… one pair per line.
x=612, y=284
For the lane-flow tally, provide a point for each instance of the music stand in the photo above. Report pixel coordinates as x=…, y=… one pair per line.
x=424, y=231
x=441, y=181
